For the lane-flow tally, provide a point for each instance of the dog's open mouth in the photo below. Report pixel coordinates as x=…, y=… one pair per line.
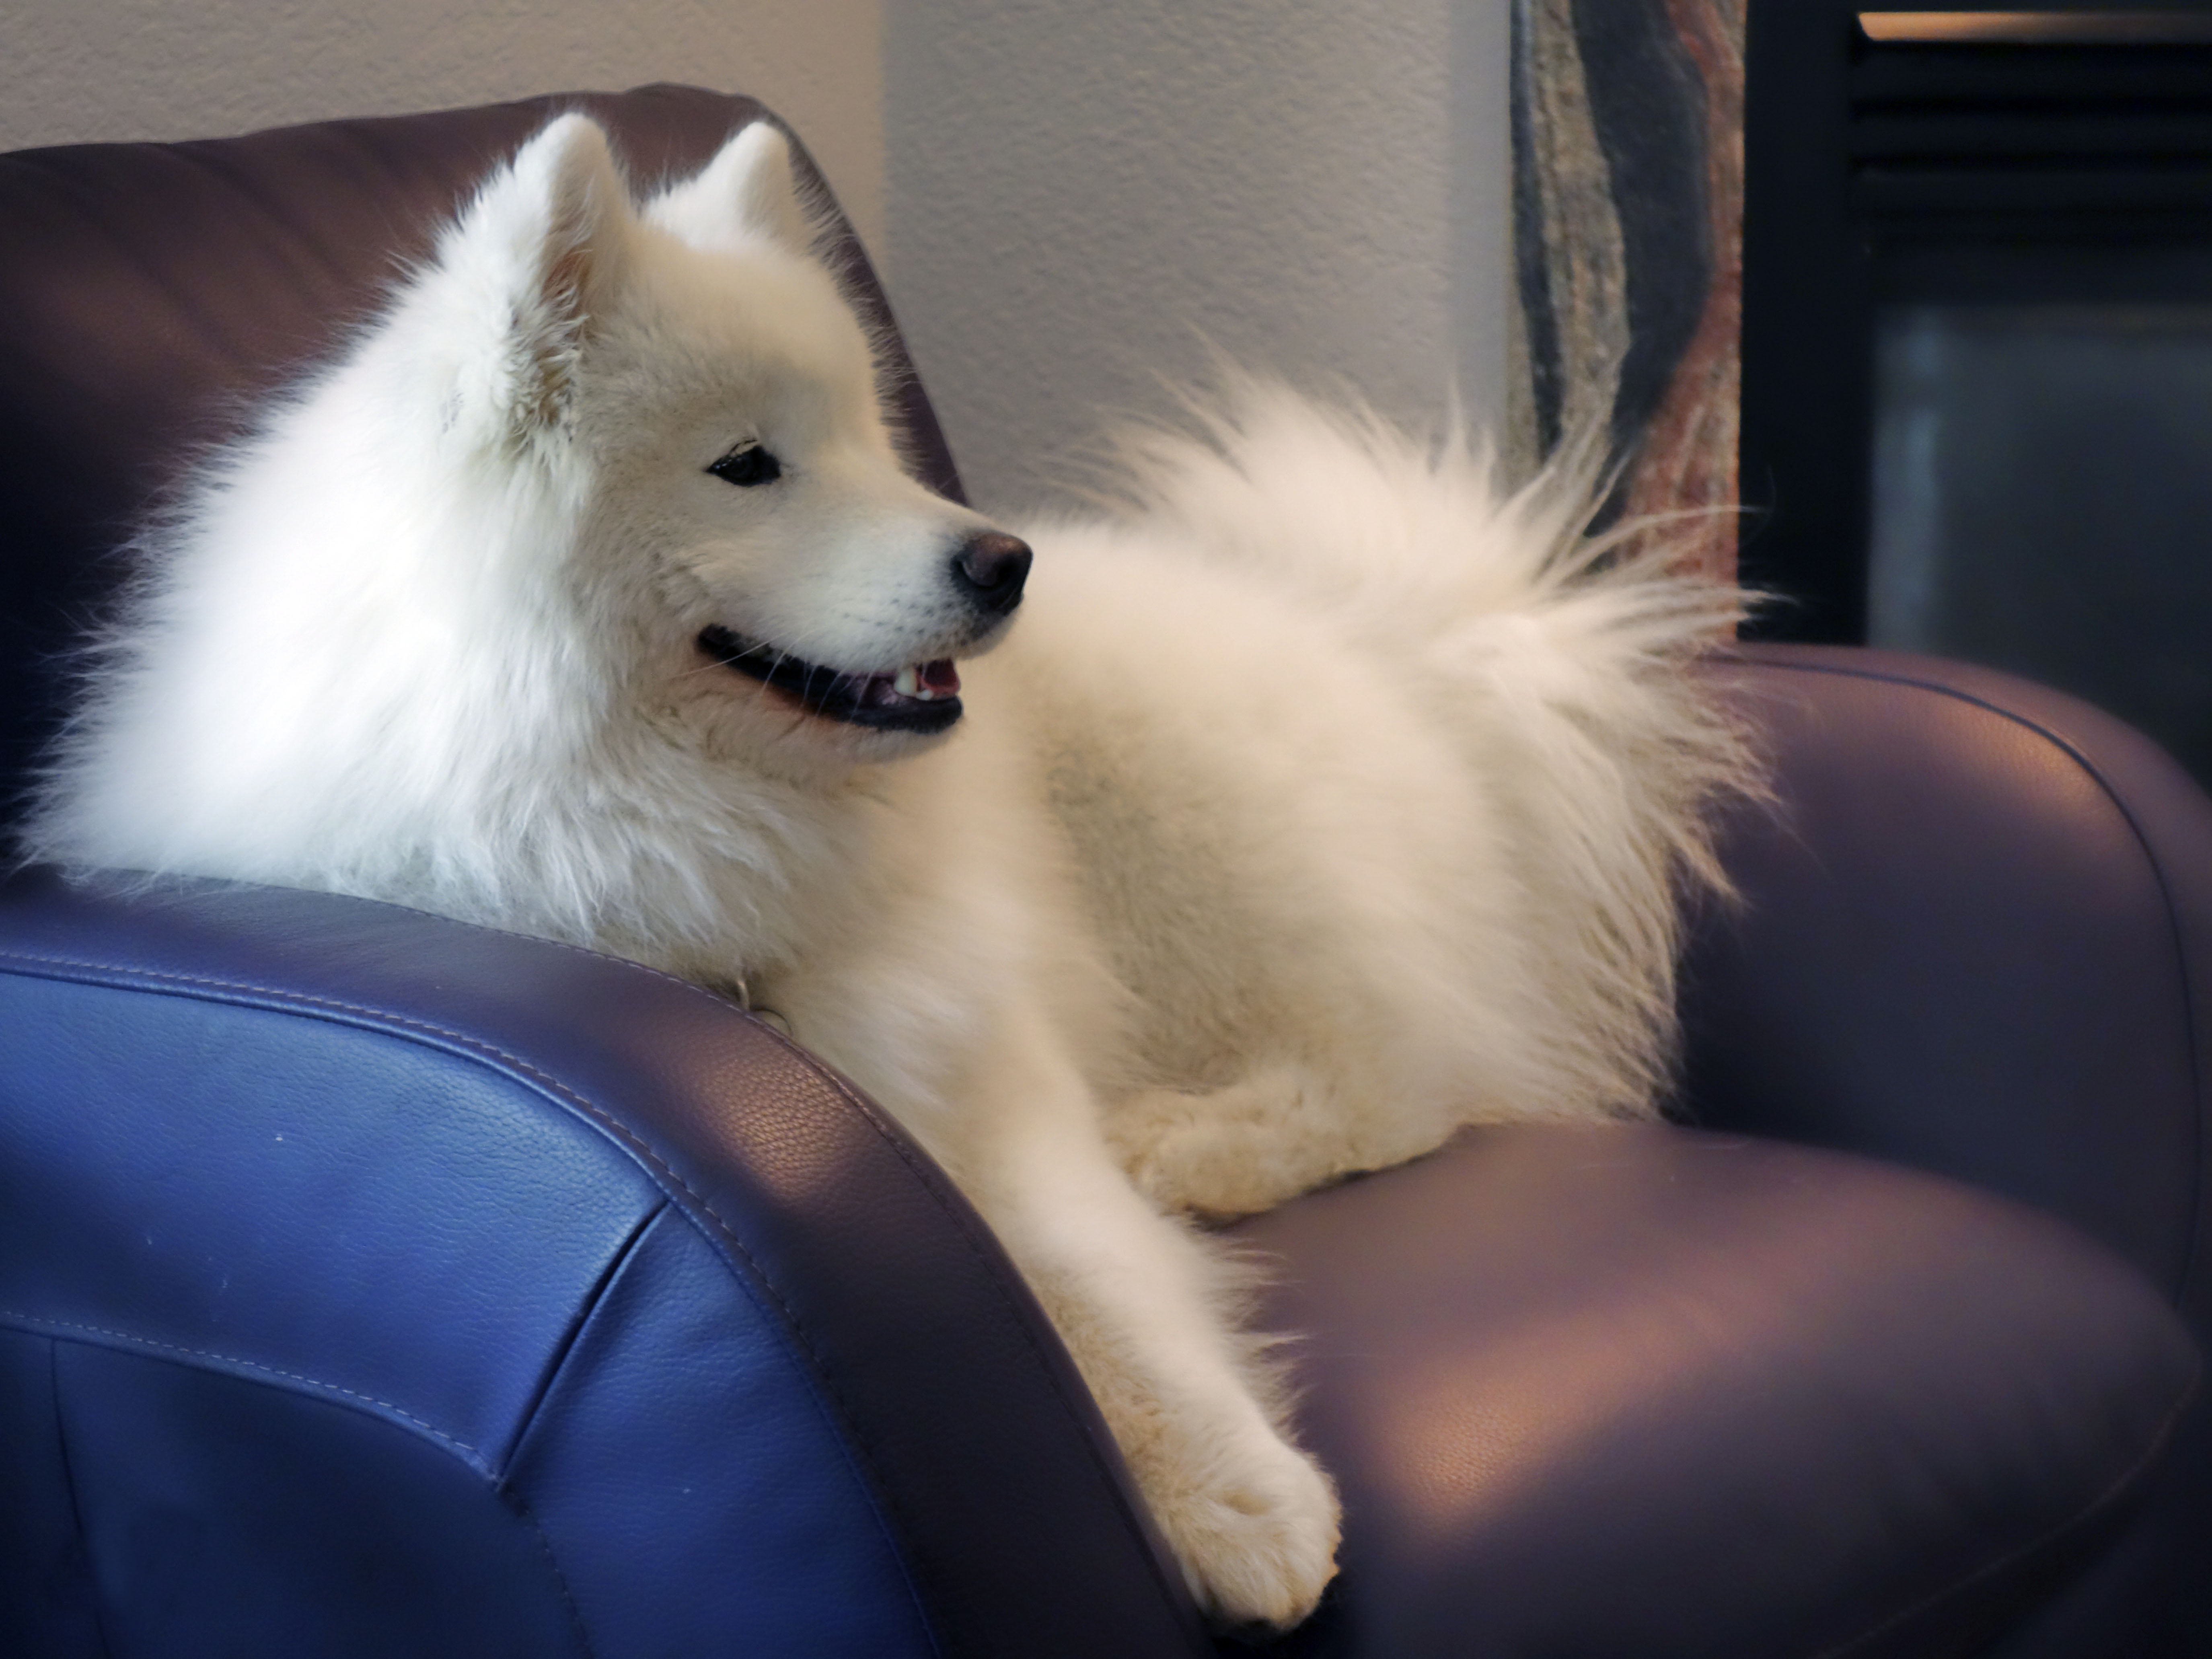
x=921, y=697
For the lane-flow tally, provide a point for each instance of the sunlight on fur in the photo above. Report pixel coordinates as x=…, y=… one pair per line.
x=1318, y=801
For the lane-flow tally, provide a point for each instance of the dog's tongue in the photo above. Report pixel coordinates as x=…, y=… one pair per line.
x=941, y=678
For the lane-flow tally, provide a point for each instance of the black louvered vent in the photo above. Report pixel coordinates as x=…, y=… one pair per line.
x=2102, y=120
x=1977, y=338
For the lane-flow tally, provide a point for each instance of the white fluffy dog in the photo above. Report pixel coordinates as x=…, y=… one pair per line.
x=1323, y=802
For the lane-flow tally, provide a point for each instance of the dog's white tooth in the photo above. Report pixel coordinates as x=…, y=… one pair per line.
x=908, y=683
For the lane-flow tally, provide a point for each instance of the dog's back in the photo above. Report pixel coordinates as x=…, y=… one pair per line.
x=1375, y=778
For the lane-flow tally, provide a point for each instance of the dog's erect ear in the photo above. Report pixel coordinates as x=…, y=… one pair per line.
x=747, y=194
x=540, y=250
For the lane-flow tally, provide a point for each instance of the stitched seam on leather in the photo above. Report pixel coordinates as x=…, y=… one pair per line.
x=154, y=882
x=844, y=1421
x=2191, y=1263
x=386, y=1016
x=544, y=1545
x=508, y=1489
x=40, y=1322
x=76, y=1508
x=552, y=1563
x=820, y=1369
x=2125, y=1479
x=856, y=1443
x=585, y=1315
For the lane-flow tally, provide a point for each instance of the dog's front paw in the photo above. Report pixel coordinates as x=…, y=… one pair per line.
x=1256, y=1536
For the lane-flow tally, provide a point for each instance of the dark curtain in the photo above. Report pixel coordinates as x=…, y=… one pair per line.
x=1628, y=208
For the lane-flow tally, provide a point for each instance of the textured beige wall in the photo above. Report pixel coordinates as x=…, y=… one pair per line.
x=1083, y=193
x=77, y=70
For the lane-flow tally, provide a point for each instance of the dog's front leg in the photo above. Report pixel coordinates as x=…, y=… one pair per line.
x=1144, y=1307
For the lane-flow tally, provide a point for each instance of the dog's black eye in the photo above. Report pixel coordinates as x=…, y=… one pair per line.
x=748, y=464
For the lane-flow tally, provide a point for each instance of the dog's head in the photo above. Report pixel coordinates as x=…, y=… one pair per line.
x=687, y=379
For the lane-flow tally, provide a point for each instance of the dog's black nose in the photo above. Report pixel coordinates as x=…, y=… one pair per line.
x=990, y=567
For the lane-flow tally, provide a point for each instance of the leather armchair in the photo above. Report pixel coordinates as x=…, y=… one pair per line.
x=371, y=1284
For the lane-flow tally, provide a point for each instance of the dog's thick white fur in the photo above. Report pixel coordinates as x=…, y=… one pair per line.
x=1323, y=801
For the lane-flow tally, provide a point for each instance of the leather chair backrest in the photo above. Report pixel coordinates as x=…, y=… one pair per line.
x=1976, y=938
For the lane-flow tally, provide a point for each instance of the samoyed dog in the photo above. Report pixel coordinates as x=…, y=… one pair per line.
x=1321, y=802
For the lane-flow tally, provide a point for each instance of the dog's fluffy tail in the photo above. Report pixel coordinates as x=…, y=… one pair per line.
x=1567, y=664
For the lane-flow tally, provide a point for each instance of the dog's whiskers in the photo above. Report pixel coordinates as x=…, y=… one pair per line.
x=798, y=720
x=760, y=686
